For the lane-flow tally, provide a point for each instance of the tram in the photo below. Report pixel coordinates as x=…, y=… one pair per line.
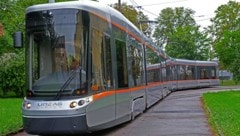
x=88, y=68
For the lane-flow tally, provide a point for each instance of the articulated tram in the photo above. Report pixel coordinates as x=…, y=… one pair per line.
x=88, y=68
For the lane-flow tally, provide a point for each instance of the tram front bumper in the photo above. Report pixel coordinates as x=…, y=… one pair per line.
x=55, y=125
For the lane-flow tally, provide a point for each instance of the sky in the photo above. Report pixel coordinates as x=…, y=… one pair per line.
x=204, y=9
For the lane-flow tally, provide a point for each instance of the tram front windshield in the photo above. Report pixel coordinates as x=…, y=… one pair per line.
x=56, y=52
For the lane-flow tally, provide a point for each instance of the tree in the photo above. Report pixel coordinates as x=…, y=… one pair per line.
x=133, y=16
x=12, y=70
x=188, y=43
x=228, y=49
x=169, y=20
x=12, y=15
x=5, y=16
x=225, y=31
x=178, y=31
x=226, y=18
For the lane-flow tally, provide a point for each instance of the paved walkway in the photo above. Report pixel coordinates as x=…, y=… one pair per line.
x=180, y=114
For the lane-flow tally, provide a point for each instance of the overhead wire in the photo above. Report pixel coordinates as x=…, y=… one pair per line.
x=203, y=19
x=208, y=16
x=141, y=7
x=134, y=3
x=150, y=12
x=155, y=4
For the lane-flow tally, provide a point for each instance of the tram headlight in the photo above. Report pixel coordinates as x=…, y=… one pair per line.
x=73, y=104
x=89, y=99
x=81, y=102
x=27, y=105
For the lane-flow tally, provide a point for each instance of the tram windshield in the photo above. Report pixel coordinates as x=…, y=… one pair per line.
x=56, y=51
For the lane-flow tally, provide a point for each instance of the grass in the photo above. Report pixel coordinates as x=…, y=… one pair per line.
x=224, y=111
x=10, y=115
x=228, y=83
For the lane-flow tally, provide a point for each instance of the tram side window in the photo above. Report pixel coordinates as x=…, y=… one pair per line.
x=153, y=75
x=182, y=72
x=122, y=72
x=164, y=71
x=107, y=57
x=153, y=66
x=174, y=72
x=213, y=72
x=101, y=61
x=136, y=63
x=203, y=73
x=171, y=73
x=189, y=73
x=208, y=72
x=194, y=74
x=217, y=71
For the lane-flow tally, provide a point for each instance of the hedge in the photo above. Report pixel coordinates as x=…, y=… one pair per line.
x=12, y=75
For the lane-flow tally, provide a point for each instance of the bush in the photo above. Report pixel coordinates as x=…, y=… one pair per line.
x=12, y=75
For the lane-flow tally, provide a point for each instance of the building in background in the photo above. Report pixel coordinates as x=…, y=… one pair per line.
x=225, y=75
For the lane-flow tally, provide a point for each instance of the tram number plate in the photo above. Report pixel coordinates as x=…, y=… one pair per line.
x=49, y=105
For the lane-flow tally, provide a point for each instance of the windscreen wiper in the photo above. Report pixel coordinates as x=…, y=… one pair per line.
x=68, y=81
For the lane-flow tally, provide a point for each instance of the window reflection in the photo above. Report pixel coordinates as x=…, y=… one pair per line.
x=56, y=48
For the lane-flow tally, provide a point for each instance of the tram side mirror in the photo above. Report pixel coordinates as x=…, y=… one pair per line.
x=18, y=39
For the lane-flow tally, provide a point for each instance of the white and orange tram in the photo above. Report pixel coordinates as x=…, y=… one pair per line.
x=88, y=68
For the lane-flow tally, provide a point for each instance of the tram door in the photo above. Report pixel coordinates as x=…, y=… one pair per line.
x=123, y=94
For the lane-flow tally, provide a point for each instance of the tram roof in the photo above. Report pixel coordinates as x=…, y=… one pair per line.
x=91, y=6
x=100, y=9
x=195, y=62
x=213, y=63
x=81, y=4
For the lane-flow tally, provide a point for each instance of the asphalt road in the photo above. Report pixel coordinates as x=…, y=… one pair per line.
x=179, y=114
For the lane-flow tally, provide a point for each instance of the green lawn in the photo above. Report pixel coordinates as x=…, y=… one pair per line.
x=10, y=115
x=224, y=111
x=228, y=83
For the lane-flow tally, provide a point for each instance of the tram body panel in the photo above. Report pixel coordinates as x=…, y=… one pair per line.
x=186, y=84
x=172, y=85
x=154, y=93
x=51, y=108
x=101, y=111
x=138, y=100
x=204, y=82
x=215, y=82
x=123, y=105
x=55, y=117
x=138, y=107
x=55, y=125
x=165, y=89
